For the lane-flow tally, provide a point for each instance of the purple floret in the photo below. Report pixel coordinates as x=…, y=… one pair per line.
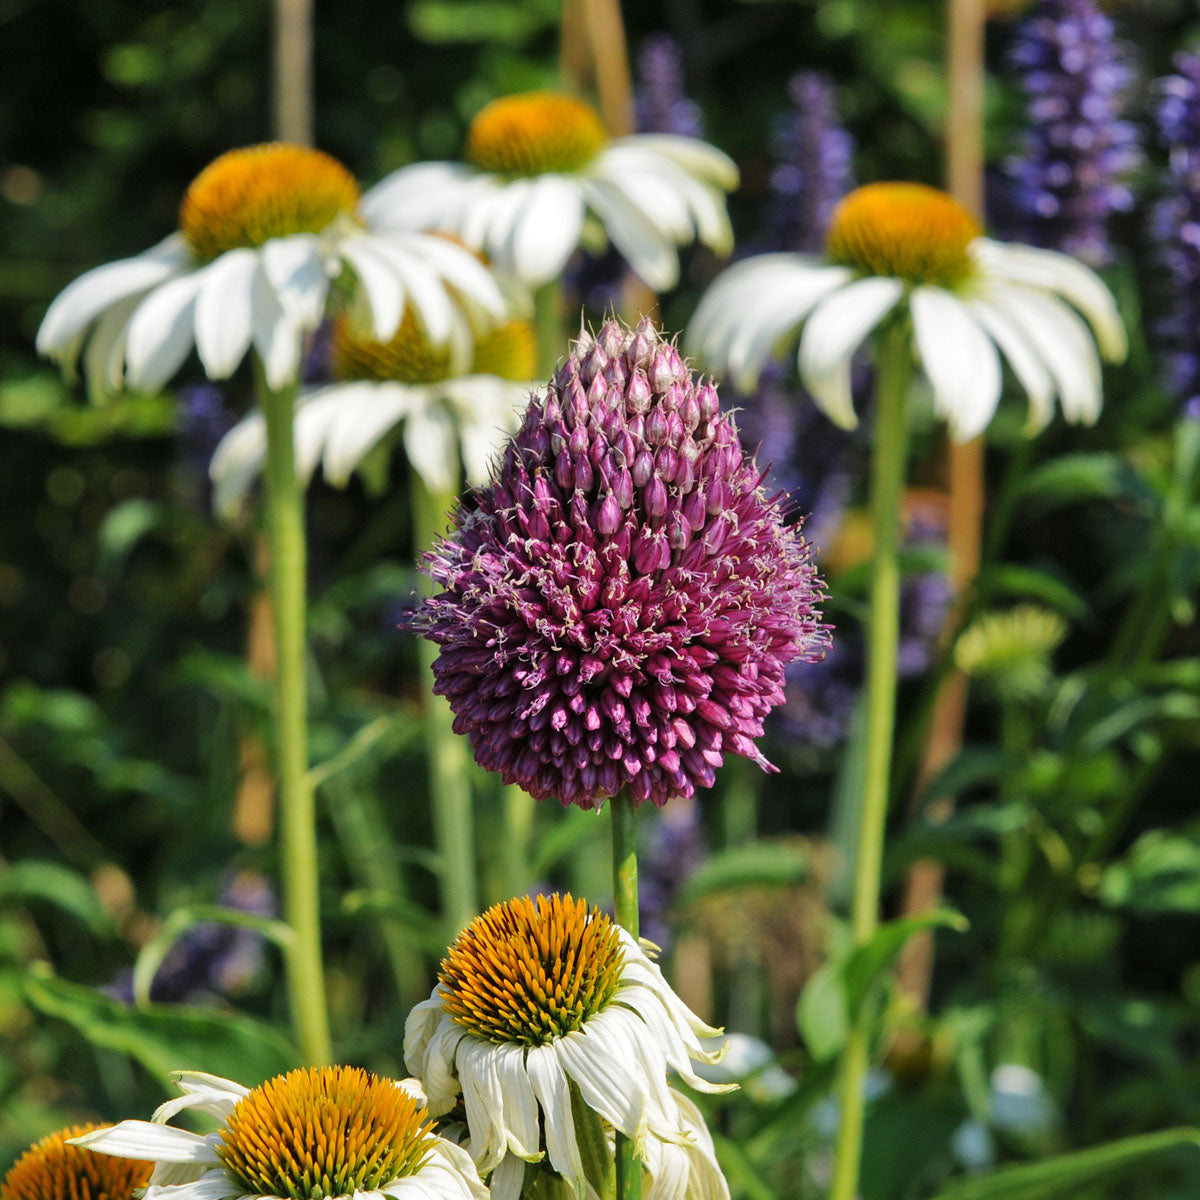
x=619, y=605
x=1074, y=170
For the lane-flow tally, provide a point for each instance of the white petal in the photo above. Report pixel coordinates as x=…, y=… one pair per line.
x=277, y=338
x=314, y=421
x=647, y=191
x=83, y=300
x=550, y=1087
x=1064, y=275
x=154, y=1143
x=1060, y=338
x=1027, y=366
x=431, y=1041
x=424, y=289
x=295, y=268
x=547, y=231
x=611, y=1072
x=211, y=1094
x=959, y=359
x=483, y=1102
x=414, y=197
x=508, y=1179
x=698, y=158
x=236, y=463
x=368, y=412
x=104, y=359
x=212, y=1185
x=224, y=320
x=460, y=268
x=641, y=244
x=488, y=411
x=490, y=213
x=520, y=1104
x=432, y=448
x=159, y=337
x=834, y=330
x=380, y=285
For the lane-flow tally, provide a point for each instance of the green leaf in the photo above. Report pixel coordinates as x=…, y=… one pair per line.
x=822, y=1013
x=123, y=527
x=155, y=951
x=774, y=864
x=1067, y=1172
x=1086, y=476
x=165, y=1037
x=1161, y=873
x=1009, y=579
x=57, y=885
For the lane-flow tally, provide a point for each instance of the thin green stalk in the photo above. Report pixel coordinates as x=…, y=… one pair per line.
x=893, y=371
x=448, y=754
x=548, y=323
x=625, y=904
x=297, y=809
x=519, y=813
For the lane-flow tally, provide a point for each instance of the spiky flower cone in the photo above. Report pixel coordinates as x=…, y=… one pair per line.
x=619, y=604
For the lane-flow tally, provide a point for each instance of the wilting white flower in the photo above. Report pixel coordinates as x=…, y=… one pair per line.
x=263, y=232
x=541, y=171
x=325, y=1133
x=540, y=998
x=906, y=248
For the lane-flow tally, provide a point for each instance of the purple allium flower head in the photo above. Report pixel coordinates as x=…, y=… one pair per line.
x=815, y=166
x=1073, y=172
x=1176, y=224
x=659, y=98
x=619, y=604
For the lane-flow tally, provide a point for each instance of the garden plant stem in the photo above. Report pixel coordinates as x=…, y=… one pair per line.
x=449, y=755
x=893, y=371
x=297, y=809
x=625, y=904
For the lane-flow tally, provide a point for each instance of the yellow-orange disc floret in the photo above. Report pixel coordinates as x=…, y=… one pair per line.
x=906, y=231
x=535, y=133
x=509, y=352
x=246, y=197
x=529, y=971
x=321, y=1132
x=52, y=1170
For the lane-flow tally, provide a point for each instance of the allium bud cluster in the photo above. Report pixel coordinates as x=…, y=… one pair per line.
x=619, y=605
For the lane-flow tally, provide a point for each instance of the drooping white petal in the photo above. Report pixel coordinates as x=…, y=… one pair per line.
x=641, y=244
x=430, y=1042
x=414, y=197
x=224, y=312
x=834, y=330
x=550, y=1087
x=547, y=230
x=296, y=270
x=1061, y=339
x=460, y=268
x=768, y=318
x=489, y=216
x=431, y=446
x=424, y=290
x=367, y=413
x=698, y=158
x=611, y=1074
x=83, y=300
x=483, y=1101
x=104, y=359
x=1029, y=369
x=487, y=411
x=380, y=282
x=518, y=1101
x=211, y=1094
x=277, y=338
x=314, y=423
x=647, y=191
x=508, y=1179
x=212, y=1185
x=154, y=1143
x=236, y=463
x=960, y=361
x=159, y=337
x=1061, y=274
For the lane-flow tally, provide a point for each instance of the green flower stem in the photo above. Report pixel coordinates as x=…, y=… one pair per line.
x=625, y=904
x=519, y=813
x=448, y=754
x=893, y=372
x=297, y=809
x=548, y=324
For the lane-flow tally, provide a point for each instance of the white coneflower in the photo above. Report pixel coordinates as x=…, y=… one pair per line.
x=907, y=246
x=538, y=999
x=262, y=233
x=541, y=169
x=318, y=1133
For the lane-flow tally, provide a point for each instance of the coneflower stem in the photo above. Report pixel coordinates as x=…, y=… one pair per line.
x=893, y=372
x=625, y=906
x=548, y=324
x=448, y=755
x=297, y=809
